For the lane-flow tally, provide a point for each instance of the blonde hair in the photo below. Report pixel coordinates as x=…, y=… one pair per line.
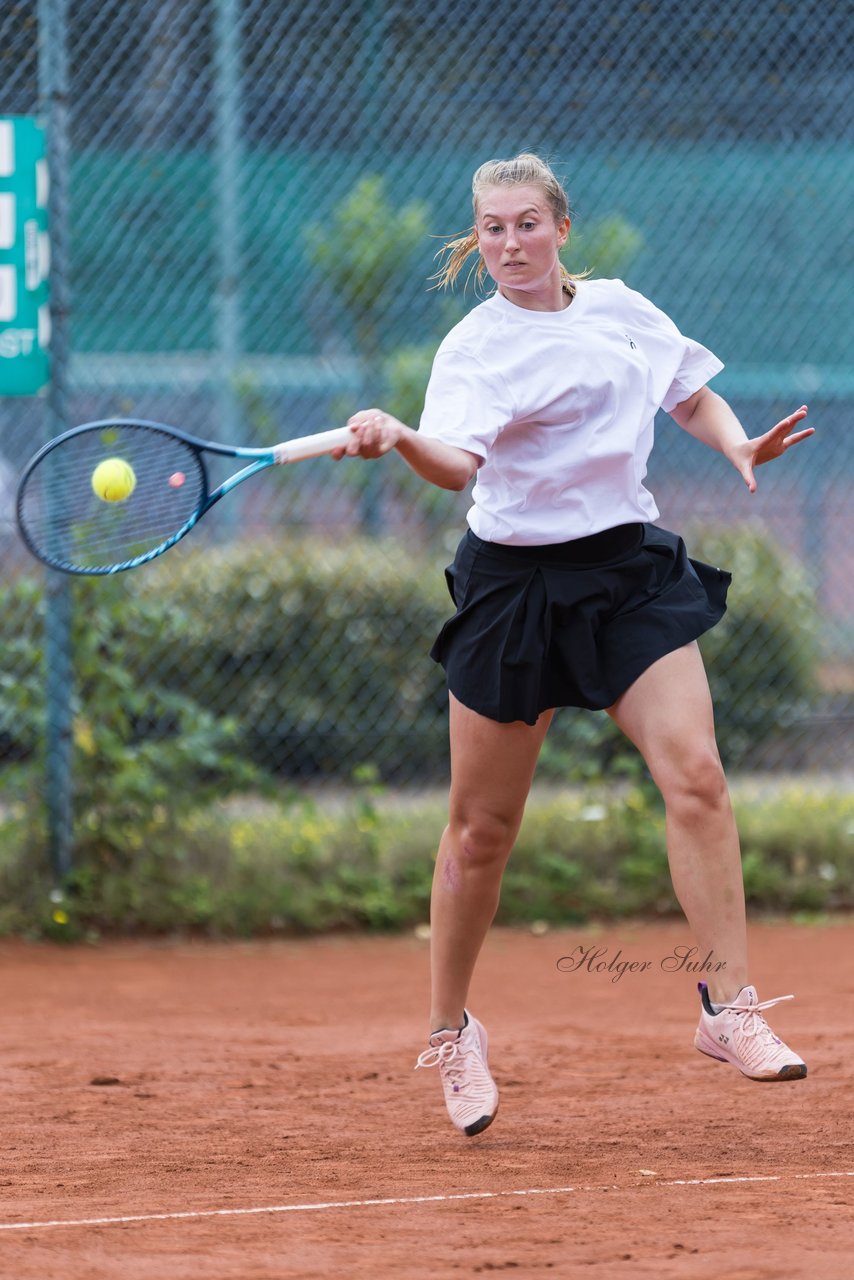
x=526, y=169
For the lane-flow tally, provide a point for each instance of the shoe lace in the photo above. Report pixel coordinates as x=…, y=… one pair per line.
x=753, y=1022
x=451, y=1058
x=438, y=1054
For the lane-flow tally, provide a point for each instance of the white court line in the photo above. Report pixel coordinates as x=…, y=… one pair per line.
x=406, y=1200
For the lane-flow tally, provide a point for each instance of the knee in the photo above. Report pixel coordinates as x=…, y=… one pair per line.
x=695, y=783
x=483, y=840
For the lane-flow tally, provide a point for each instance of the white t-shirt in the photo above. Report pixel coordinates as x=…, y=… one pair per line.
x=560, y=405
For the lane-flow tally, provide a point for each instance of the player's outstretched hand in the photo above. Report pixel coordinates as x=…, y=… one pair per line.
x=773, y=444
x=374, y=434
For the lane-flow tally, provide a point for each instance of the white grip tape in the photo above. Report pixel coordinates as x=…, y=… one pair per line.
x=312, y=446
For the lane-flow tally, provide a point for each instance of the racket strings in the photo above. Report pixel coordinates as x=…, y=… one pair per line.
x=71, y=526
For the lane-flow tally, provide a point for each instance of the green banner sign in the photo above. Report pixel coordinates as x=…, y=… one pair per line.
x=24, y=258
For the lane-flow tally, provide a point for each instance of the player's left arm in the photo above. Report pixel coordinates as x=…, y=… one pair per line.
x=707, y=416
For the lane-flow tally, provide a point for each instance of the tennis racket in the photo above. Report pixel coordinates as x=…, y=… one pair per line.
x=162, y=491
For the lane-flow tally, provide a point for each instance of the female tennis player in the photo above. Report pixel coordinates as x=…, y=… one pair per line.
x=568, y=594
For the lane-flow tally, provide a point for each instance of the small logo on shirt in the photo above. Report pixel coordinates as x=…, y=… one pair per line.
x=631, y=342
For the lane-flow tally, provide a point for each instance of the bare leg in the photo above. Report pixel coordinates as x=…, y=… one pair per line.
x=492, y=766
x=667, y=713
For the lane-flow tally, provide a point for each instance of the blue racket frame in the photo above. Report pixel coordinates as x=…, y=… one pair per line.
x=298, y=449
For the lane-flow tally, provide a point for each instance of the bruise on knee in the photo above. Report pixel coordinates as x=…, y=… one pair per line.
x=451, y=877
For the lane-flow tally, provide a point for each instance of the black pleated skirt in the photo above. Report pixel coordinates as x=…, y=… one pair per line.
x=571, y=624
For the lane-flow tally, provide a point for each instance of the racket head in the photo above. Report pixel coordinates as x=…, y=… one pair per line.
x=69, y=527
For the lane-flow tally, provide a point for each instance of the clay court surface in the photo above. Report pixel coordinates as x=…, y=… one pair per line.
x=262, y=1096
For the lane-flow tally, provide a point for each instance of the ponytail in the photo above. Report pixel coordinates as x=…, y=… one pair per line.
x=455, y=253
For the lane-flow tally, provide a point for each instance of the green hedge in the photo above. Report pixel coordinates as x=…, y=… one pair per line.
x=258, y=867
x=310, y=660
x=321, y=650
x=763, y=655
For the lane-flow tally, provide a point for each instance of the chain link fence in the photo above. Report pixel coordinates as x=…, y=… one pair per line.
x=252, y=193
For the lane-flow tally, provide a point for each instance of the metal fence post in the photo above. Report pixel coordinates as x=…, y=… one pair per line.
x=53, y=96
x=227, y=179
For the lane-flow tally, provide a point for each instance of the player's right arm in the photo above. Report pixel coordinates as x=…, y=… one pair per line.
x=376, y=433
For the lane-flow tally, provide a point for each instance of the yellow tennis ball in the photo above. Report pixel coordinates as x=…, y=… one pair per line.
x=113, y=480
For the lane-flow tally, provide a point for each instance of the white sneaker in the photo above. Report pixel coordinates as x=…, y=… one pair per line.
x=740, y=1035
x=470, y=1092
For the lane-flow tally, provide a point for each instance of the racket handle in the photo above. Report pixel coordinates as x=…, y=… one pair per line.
x=312, y=446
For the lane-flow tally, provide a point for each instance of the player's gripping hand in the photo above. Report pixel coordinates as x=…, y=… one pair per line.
x=374, y=434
